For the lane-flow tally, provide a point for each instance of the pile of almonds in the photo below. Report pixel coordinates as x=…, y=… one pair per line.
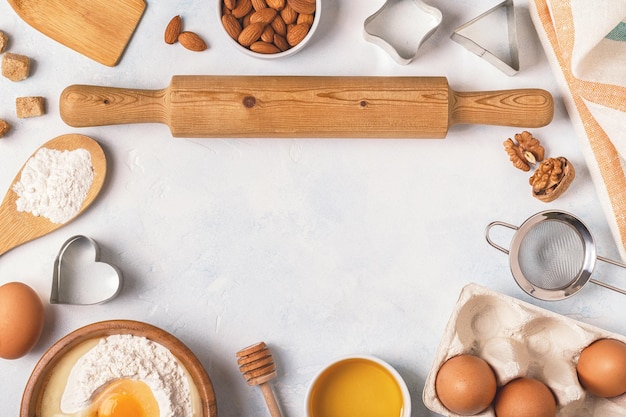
x=268, y=26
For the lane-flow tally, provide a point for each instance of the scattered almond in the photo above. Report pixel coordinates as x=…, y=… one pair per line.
x=173, y=29
x=192, y=41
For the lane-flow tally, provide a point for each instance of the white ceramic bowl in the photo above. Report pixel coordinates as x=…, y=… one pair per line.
x=338, y=370
x=293, y=50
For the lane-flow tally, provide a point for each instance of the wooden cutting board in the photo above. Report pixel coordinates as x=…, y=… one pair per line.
x=302, y=106
x=98, y=29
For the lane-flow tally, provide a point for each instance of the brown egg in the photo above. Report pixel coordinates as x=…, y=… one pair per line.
x=525, y=397
x=602, y=368
x=465, y=385
x=21, y=319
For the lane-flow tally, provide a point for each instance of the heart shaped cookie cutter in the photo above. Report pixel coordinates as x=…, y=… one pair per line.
x=400, y=27
x=80, y=278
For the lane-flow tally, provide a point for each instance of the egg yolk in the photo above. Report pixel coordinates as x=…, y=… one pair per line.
x=125, y=398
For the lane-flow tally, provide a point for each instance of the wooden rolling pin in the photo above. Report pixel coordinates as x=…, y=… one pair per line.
x=304, y=106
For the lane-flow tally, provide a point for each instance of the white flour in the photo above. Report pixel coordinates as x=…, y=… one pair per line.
x=132, y=357
x=54, y=184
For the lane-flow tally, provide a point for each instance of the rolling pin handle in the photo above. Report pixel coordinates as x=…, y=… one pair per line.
x=83, y=106
x=529, y=107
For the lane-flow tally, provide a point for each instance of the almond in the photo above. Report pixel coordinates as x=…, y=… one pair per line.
x=268, y=34
x=276, y=4
x=296, y=33
x=230, y=4
x=302, y=6
x=288, y=14
x=305, y=18
x=264, y=16
x=281, y=42
x=192, y=41
x=232, y=25
x=242, y=9
x=278, y=24
x=245, y=22
x=259, y=5
x=250, y=34
x=173, y=29
x=264, y=48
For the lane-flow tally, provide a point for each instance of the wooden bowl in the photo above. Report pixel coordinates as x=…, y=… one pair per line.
x=36, y=385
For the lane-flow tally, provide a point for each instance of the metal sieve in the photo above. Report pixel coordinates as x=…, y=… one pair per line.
x=552, y=255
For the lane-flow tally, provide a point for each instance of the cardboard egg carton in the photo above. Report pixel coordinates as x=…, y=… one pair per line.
x=519, y=339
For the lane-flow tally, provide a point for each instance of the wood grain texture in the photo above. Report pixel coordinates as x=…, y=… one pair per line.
x=36, y=385
x=300, y=106
x=98, y=29
x=257, y=367
x=16, y=227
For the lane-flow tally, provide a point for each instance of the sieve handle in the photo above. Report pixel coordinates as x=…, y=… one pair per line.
x=604, y=284
x=488, y=237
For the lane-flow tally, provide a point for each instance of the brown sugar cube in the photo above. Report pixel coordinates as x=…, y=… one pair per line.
x=4, y=128
x=15, y=67
x=4, y=40
x=30, y=106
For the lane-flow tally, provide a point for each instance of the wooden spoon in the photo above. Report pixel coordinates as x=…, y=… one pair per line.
x=258, y=368
x=17, y=227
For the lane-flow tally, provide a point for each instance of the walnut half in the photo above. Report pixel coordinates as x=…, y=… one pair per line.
x=524, y=151
x=552, y=178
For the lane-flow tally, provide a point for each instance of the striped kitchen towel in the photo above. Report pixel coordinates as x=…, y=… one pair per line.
x=585, y=41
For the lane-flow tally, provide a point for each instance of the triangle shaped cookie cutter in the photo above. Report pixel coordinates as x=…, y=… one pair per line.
x=475, y=34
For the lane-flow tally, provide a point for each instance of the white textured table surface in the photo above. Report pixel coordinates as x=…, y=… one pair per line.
x=321, y=248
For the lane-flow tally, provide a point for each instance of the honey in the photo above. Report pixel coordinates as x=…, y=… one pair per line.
x=356, y=387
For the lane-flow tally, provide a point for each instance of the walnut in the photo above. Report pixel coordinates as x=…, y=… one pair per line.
x=525, y=151
x=552, y=178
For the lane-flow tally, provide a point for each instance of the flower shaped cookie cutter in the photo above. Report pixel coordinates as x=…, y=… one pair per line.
x=80, y=278
x=400, y=27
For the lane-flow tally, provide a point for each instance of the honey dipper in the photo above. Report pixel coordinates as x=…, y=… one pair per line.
x=257, y=367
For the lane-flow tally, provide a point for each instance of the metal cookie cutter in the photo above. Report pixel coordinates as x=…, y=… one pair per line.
x=80, y=278
x=400, y=27
x=487, y=29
